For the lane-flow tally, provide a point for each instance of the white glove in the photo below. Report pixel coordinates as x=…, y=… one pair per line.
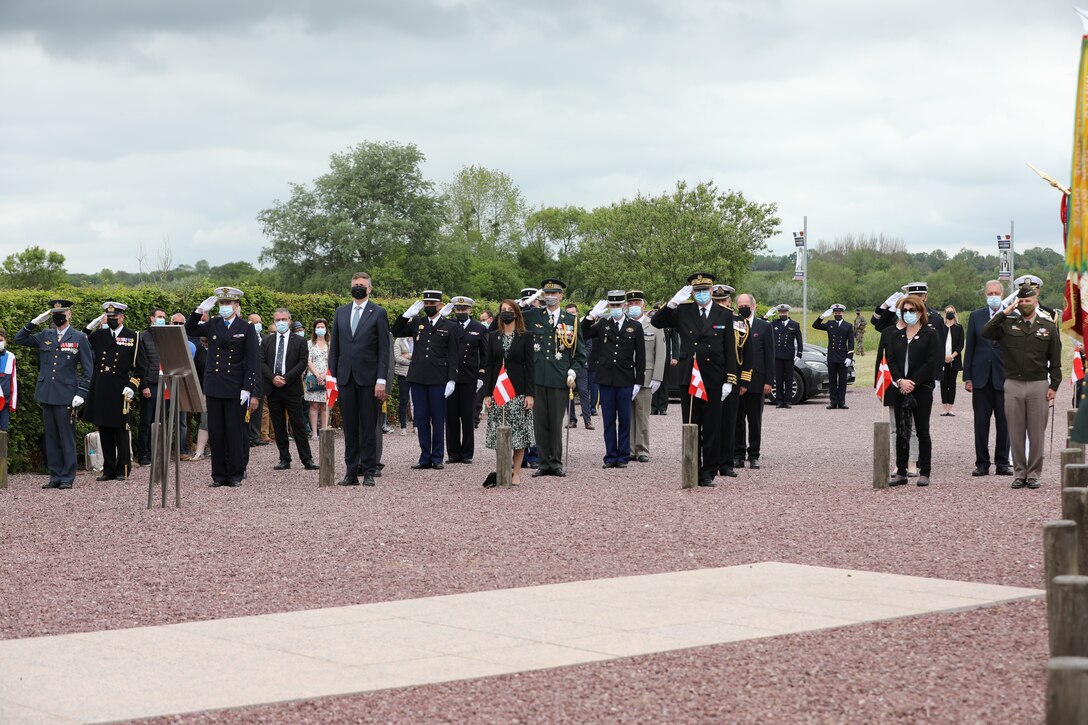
x=681, y=296
x=826, y=314
x=413, y=309
x=244, y=397
x=479, y=384
x=890, y=302
x=770, y=313
x=634, y=391
x=572, y=379
x=598, y=310
x=42, y=317
x=654, y=385
x=446, y=309
x=96, y=322
x=849, y=362
x=527, y=301
x=727, y=388
x=1008, y=300
x=449, y=389
x=127, y=393
x=77, y=401
x=208, y=304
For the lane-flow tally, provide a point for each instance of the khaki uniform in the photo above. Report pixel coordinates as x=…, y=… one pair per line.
x=656, y=358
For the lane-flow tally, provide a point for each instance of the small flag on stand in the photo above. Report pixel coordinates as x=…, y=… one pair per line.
x=504, y=389
x=696, y=388
x=331, y=391
x=884, y=378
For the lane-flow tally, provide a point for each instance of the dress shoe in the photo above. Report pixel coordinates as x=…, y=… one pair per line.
x=438, y=466
x=377, y=474
x=310, y=465
x=533, y=465
x=832, y=406
x=786, y=405
x=540, y=472
x=589, y=425
x=106, y=478
x=368, y=480
x=923, y=480
x=738, y=463
x=897, y=480
x=466, y=460
x=51, y=484
x=144, y=461
x=753, y=463
x=1004, y=471
x=348, y=481
x=707, y=483
x=844, y=406
x=1032, y=483
x=608, y=464
x=729, y=471
x=981, y=471
x=421, y=466
x=643, y=458
x=560, y=472
x=233, y=484
x=215, y=484
x=259, y=443
x=621, y=464
x=281, y=466
x=453, y=460
x=572, y=424
x=64, y=486
x=1018, y=483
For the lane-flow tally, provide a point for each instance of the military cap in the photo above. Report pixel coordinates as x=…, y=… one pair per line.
x=721, y=291
x=552, y=285
x=462, y=301
x=228, y=294
x=838, y=308
x=528, y=292
x=916, y=288
x=1026, y=290
x=636, y=294
x=616, y=297
x=60, y=304
x=432, y=295
x=783, y=308
x=857, y=309
x=701, y=280
x=1028, y=279
x=113, y=308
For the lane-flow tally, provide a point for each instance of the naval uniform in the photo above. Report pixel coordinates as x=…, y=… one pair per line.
x=620, y=348
x=118, y=364
x=434, y=363
x=840, y=348
x=60, y=353
x=559, y=346
x=731, y=404
x=758, y=371
x=233, y=366
x=788, y=345
x=472, y=346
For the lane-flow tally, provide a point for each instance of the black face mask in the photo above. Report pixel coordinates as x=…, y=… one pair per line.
x=507, y=317
x=60, y=319
x=359, y=291
x=113, y=323
x=461, y=316
x=430, y=311
x=744, y=310
x=950, y=315
x=783, y=317
x=838, y=318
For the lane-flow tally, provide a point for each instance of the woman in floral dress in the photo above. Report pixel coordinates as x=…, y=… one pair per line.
x=511, y=346
x=318, y=366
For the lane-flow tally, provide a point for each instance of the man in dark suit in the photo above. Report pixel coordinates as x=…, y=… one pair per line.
x=984, y=379
x=840, y=352
x=788, y=346
x=471, y=367
x=284, y=356
x=722, y=294
x=756, y=381
x=359, y=352
x=229, y=380
x=60, y=390
x=706, y=337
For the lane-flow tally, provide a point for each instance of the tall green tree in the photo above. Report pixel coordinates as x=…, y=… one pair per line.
x=33, y=268
x=485, y=209
x=553, y=246
x=372, y=209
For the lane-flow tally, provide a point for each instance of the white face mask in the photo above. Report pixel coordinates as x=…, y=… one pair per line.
x=2, y=345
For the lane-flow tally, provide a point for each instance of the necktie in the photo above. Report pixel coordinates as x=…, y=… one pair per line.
x=702, y=312
x=355, y=318
x=279, y=354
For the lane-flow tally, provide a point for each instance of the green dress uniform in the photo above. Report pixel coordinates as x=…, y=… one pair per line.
x=558, y=347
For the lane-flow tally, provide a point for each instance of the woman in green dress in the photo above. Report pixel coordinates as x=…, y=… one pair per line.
x=511, y=347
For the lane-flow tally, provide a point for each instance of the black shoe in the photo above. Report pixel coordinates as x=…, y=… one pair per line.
x=438, y=466
x=787, y=405
x=233, y=484
x=608, y=464
x=832, y=406
x=368, y=480
x=1004, y=471
x=144, y=461
x=753, y=463
x=897, y=480
x=844, y=406
x=377, y=474
x=64, y=486
x=466, y=460
x=533, y=466
x=281, y=466
x=981, y=471
x=453, y=460
x=1032, y=483
x=729, y=472
x=348, y=481
x=621, y=464
x=540, y=472
x=216, y=484
x=738, y=463
x=106, y=478
x=421, y=466
x=310, y=465
x=643, y=458
x=560, y=472
x=707, y=483
x=923, y=480
x=1018, y=483
x=51, y=484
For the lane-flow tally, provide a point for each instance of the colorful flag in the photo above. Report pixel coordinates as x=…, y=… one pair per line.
x=504, y=389
x=331, y=391
x=883, y=378
x=1075, y=214
x=1078, y=365
x=9, y=370
x=696, y=389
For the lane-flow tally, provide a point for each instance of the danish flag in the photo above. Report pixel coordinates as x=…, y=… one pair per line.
x=1078, y=368
x=9, y=370
x=331, y=391
x=884, y=378
x=696, y=389
x=504, y=389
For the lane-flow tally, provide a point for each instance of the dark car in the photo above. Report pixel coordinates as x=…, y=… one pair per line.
x=809, y=376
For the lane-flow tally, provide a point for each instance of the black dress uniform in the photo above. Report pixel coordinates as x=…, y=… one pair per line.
x=118, y=366
x=731, y=404
x=65, y=364
x=758, y=371
x=472, y=350
x=706, y=335
x=840, y=348
x=620, y=348
x=232, y=367
x=432, y=370
x=788, y=345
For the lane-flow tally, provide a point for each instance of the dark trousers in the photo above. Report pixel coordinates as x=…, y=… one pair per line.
x=255, y=422
x=923, y=395
x=783, y=374
x=588, y=396
x=116, y=456
x=986, y=403
x=707, y=414
x=728, y=430
x=659, y=402
x=358, y=409
x=836, y=382
x=429, y=406
x=404, y=389
x=227, y=431
x=750, y=420
x=460, y=423
x=948, y=384
x=280, y=403
x=147, y=417
x=616, y=408
x=479, y=407
x=549, y=409
x=60, y=443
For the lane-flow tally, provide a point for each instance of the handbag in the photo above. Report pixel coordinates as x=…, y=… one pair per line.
x=309, y=382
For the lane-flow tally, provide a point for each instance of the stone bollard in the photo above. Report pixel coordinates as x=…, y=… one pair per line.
x=1067, y=690
x=1070, y=457
x=1075, y=508
x=1069, y=619
x=3, y=459
x=689, y=472
x=1071, y=417
x=1075, y=475
x=326, y=476
x=504, y=455
x=881, y=453
x=1060, y=557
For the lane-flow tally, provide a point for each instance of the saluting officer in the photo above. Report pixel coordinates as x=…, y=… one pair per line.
x=886, y=317
x=61, y=389
x=559, y=349
x=840, y=352
x=1036, y=283
x=656, y=358
x=118, y=368
x=432, y=372
x=230, y=376
x=788, y=346
x=621, y=367
x=472, y=347
x=706, y=337
x=527, y=297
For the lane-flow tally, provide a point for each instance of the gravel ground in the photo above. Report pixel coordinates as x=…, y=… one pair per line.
x=95, y=558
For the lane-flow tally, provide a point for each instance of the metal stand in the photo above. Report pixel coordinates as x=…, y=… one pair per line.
x=166, y=440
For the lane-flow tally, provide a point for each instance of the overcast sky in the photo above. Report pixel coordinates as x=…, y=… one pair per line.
x=136, y=121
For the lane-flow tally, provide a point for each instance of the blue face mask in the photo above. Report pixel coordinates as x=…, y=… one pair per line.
x=319, y=331
x=911, y=318
x=160, y=321
x=634, y=312
x=993, y=302
x=300, y=333
x=282, y=326
x=616, y=312
x=702, y=297
x=225, y=311
x=258, y=327
x=898, y=313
